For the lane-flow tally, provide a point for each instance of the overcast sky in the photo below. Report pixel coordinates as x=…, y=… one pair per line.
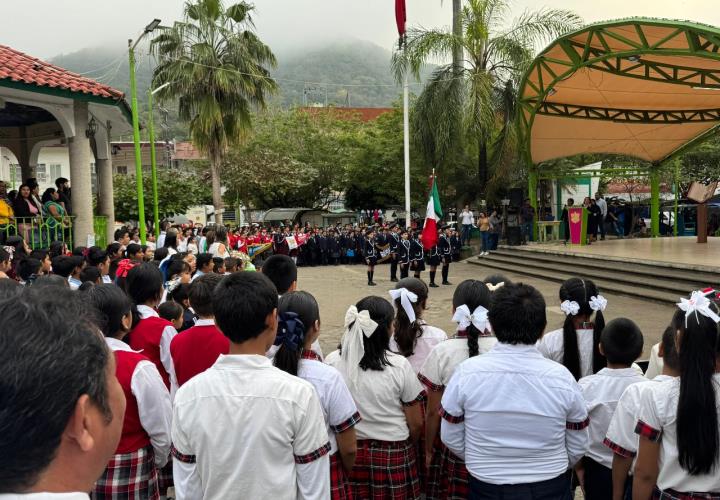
x=45, y=28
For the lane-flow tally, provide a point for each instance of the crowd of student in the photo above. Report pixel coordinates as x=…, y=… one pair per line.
x=217, y=385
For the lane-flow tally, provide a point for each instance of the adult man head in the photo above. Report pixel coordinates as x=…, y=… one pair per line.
x=62, y=184
x=282, y=271
x=61, y=406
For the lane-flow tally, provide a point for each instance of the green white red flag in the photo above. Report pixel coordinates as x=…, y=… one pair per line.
x=432, y=217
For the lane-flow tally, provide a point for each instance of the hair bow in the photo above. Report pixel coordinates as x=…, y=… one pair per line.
x=492, y=287
x=124, y=267
x=478, y=318
x=570, y=307
x=598, y=303
x=358, y=324
x=291, y=331
x=407, y=299
x=698, y=303
x=172, y=285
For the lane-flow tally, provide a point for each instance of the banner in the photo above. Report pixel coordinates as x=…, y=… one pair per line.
x=577, y=220
x=292, y=243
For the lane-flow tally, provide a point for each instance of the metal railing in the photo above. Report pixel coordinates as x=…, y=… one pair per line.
x=39, y=232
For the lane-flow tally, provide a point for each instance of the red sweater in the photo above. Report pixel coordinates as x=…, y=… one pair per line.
x=146, y=337
x=196, y=349
x=133, y=435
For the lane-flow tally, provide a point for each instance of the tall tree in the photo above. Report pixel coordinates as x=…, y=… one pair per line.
x=215, y=65
x=474, y=106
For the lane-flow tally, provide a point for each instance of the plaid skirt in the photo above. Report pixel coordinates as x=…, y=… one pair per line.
x=129, y=476
x=677, y=495
x=165, y=477
x=385, y=470
x=447, y=477
x=339, y=486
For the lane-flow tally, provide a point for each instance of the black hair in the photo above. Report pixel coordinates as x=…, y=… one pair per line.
x=495, y=279
x=56, y=248
x=160, y=254
x=231, y=262
x=180, y=294
x=201, y=293
x=79, y=251
x=307, y=310
x=85, y=286
x=96, y=256
x=38, y=254
x=202, y=260
x=698, y=441
x=580, y=290
x=50, y=280
x=622, y=341
x=50, y=355
x=17, y=243
x=376, y=346
x=171, y=240
x=177, y=266
x=64, y=265
x=9, y=289
x=28, y=269
x=112, y=305
x=670, y=354
x=221, y=234
x=113, y=249
x=218, y=262
x=4, y=255
x=132, y=249
x=90, y=273
x=170, y=310
x=144, y=283
x=47, y=195
x=242, y=303
x=406, y=333
x=60, y=181
x=517, y=314
x=472, y=293
x=281, y=270
x=120, y=233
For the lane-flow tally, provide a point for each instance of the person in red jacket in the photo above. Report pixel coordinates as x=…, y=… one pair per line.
x=144, y=446
x=197, y=348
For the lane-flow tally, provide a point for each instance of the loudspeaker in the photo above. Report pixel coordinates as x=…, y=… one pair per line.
x=514, y=235
x=516, y=197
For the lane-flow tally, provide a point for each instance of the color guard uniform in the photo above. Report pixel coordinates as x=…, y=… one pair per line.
x=403, y=257
x=417, y=256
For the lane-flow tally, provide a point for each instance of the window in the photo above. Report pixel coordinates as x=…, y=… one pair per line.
x=16, y=173
x=55, y=171
x=121, y=169
x=41, y=172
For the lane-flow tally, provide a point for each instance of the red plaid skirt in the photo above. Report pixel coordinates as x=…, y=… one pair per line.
x=447, y=477
x=129, y=476
x=385, y=470
x=339, y=485
x=676, y=495
x=165, y=477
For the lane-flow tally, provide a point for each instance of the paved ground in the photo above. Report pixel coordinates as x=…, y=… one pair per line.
x=336, y=288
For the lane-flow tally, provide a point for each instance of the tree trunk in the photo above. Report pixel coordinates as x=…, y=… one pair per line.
x=482, y=166
x=216, y=190
x=457, y=31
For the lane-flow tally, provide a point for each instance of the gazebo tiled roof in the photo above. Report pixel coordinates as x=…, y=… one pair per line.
x=19, y=67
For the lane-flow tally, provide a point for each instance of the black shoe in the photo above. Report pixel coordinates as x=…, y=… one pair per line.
x=371, y=283
x=394, y=280
x=446, y=283
x=433, y=285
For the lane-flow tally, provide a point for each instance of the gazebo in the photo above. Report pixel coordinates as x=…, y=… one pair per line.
x=641, y=87
x=42, y=105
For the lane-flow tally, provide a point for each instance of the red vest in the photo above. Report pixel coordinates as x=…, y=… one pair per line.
x=196, y=349
x=146, y=337
x=133, y=435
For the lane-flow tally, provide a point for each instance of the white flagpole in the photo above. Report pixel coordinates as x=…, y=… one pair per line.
x=406, y=137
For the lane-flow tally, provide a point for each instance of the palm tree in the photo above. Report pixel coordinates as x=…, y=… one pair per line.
x=215, y=66
x=475, y=104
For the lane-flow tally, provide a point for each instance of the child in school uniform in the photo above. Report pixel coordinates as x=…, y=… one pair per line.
x=144, y=446
x=621, y=437
x=172, y=312
x=447, y=476
x=679, y=419
x=387, y=393
x=298, y=328
x=621, y=343
x=243, y=428
x=196, y=349
x=575, y=345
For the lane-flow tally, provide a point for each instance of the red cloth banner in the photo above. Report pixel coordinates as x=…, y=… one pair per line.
x=400, y=16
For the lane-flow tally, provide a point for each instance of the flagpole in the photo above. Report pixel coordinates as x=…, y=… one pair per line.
x=406, y=138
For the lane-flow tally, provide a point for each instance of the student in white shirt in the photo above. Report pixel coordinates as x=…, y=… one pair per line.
x=621, y=342
x=621, y=437
x=575, y=345
x=679, y=425
x=518, y=419
x=387, y=393
x=243, y=428
x=298, y=328
x=447, y=475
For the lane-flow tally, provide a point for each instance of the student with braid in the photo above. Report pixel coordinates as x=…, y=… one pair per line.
x=447, y=476
x=576, y=344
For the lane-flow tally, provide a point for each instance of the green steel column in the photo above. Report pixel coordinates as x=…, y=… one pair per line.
x=153, y=166
x=136, y=139
x=532, y=194
x=655, y=201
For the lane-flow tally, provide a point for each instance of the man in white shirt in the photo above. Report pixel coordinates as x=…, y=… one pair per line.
x=243, y=428
x=600, y=202
x=467, y=219
x=517, y=419
x=61, y=406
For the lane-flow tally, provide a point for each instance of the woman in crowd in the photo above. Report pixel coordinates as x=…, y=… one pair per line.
x=485, y=226
x=27, y=214
x=54, y=213
x=219, y=247
x=171, y=242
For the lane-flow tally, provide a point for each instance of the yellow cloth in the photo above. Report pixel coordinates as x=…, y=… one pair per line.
x=6, y=212
x=484, y=224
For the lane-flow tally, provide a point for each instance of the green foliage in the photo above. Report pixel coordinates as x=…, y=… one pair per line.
x=177, y=192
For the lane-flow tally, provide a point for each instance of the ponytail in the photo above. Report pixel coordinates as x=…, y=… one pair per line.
x=297, y=313
x=472, y=293
x=407, y=332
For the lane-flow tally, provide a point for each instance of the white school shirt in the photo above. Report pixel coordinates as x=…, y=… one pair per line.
x=655, y=365
x=467, y=217
x=424, y=343
x=245, y=429
x=620, y=436
x=338, y=407
x=153, y=402
x=161, y=239
x=440, y=364
x=602, y=392
x=552, y=346
x=514, y=416
x=658, y=422
x=380, y=397
x=168, y=334
x=74, y=283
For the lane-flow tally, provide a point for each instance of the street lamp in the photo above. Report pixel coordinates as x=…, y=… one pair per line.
x=153, y=163
x=136, y=128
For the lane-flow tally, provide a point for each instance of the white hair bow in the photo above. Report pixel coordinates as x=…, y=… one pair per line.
x=407, y=299
x=358, y=324
x=492, y=287
x=478, y=318
x=598, y=303
x=570, y=307
x=698, y=303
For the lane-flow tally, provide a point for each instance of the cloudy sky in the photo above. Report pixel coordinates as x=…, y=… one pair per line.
x=45, y=28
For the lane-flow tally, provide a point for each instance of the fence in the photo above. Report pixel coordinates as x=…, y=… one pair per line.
x=40, y=232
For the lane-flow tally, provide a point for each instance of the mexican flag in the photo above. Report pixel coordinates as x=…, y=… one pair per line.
x=432, y=217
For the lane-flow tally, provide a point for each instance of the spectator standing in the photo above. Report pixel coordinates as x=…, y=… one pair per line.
x=485, y=226
x=495, y=229
x=602, y=205
x=527, y=218
x=63, y=189
x=467, y=219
